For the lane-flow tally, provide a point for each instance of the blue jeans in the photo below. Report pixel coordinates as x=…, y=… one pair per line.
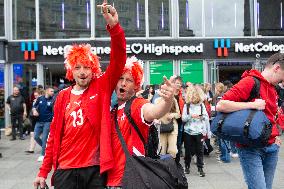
x=225, y=153
x=258, y=165
x=41, y=128
x=233, y=147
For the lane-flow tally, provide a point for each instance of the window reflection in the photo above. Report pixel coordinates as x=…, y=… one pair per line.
x=159, y=18
x=224, y=18
x=24, y=22
x=64, y=19
x=270, y=17
x=131, y=18
x=190, y=18
x=2, y=26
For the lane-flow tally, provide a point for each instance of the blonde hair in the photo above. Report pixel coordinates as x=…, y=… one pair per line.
x=206, y=86
x=194, y=95
x=219, y=88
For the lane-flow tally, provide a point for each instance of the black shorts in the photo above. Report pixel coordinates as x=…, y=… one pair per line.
x=79, y=178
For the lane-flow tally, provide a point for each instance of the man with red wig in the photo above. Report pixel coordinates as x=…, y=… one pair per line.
x=79, y=143
x=142, y=112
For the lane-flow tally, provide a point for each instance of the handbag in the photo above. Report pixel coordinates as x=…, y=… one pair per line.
x=247, y=127
x=147, y=173
x=167, y=127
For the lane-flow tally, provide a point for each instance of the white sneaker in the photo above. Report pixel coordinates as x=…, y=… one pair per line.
x=234, y=155
x=40, y=158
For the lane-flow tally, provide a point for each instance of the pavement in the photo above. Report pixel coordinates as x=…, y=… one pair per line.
x=18, y=169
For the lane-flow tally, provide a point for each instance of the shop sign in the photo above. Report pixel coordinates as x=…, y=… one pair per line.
x=259, y=47
x=135, y=48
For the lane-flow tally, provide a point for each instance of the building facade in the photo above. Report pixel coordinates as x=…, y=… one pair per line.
x=201, y=40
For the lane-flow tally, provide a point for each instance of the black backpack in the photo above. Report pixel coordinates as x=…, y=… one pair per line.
x=151, y=146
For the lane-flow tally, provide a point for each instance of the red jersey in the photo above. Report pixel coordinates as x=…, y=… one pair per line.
x=134, y=144
x=241, y=92
x=79, y=137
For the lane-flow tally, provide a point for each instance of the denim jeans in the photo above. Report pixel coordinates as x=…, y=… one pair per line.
x=224, y=146
x=258, y=165
x=233, y=147
x=41, y=128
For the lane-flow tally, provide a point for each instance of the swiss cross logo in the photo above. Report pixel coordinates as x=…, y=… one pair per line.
x=222, y=47
x=29, y=49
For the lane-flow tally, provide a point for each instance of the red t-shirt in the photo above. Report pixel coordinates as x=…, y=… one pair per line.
x=80, y=142
x=134, y=144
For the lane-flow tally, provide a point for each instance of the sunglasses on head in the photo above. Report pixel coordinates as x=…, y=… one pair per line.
x=280, y=58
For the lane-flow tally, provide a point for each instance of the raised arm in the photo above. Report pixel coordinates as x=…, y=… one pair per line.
x=118, y=46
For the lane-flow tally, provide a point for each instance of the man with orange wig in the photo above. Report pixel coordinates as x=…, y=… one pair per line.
x=142, y=112
x=79, y=143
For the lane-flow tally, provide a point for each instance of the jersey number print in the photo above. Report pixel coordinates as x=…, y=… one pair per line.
x=77, y=115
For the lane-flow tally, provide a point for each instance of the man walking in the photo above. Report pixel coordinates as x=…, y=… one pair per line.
x=258, y=164
x=79, y=142
x=17, y=108
x=43, y=109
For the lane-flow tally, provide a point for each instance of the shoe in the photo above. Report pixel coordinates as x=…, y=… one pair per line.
x=12, y=139
x=29, y=151
x=187, y=171
x=201, y=172
x=40, y=158
x=1, y=155
x=234, y=155
x=22, y=138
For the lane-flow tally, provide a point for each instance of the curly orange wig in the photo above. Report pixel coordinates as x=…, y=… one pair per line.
x=81, y=53
x=135, y=67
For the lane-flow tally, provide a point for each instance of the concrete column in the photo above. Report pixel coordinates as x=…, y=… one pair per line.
x=40, y=75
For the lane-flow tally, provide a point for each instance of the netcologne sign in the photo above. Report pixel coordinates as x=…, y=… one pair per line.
x=135, y=48
x=259, y=47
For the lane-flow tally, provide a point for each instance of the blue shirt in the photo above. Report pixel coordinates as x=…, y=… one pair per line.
x=44, y=107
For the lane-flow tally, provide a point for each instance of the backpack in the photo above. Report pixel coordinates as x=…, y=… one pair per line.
x=151, y=146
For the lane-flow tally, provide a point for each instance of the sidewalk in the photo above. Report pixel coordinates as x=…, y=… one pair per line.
x=18, y=169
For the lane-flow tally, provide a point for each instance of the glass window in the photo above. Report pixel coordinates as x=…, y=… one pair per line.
x=2, y=25
x=61, y=19
x=131, y=17
x=190, y=18
x=270, y=17
x=224, y=18
x=24, y=19
x=159, y=18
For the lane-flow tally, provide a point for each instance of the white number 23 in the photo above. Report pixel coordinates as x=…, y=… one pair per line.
x=77, y=115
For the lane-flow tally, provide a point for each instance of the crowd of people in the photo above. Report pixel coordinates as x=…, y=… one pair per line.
x=78, y=133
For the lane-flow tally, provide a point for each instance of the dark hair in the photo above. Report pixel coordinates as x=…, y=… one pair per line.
x=178, y=78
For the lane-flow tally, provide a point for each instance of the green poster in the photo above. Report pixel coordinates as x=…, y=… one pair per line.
x=191, y=70
x=158, y=69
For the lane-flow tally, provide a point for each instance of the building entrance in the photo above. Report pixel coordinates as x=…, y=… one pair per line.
x=54, y=75
x=220, y=71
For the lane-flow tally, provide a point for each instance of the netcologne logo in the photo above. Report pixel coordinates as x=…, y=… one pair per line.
x=222, y=48
x=29, y=49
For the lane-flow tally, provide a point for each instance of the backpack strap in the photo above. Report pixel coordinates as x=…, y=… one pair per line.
x=201, y=109
x=127, y=111
x=187, y=108
x=255, y=91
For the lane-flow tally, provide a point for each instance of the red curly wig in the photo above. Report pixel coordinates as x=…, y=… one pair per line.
x=81, y=53
x=135, y=67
